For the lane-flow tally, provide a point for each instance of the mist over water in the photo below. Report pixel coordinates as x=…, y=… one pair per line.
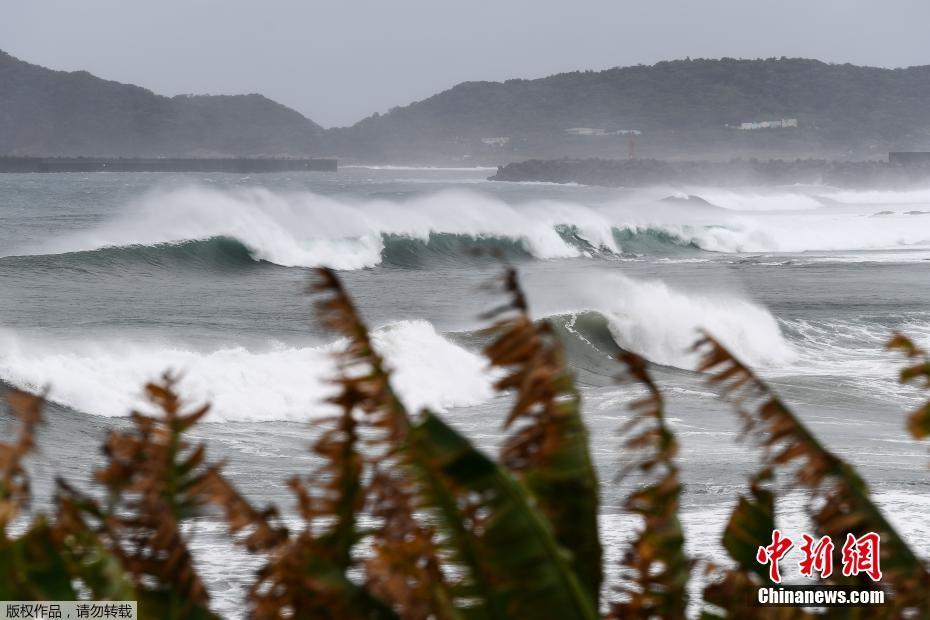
x=108, y=280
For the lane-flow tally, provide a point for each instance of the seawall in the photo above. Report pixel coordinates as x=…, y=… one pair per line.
x=165, y=164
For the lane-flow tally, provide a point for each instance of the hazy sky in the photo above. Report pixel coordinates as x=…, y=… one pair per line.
x=337, y=61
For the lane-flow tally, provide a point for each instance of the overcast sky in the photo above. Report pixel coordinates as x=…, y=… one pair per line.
x=337, y=61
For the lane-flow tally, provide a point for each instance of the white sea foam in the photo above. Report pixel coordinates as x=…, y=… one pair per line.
x=307, y=229
x=759, y=201
x=799, y=220
x=825, y=230
x=282, y=383
x=662, y=323
x=855, y=348
x=881, y=197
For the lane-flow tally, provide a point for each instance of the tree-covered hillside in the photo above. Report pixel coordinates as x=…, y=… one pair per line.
x=681, y=107
x=687, y=109
x=45, y=112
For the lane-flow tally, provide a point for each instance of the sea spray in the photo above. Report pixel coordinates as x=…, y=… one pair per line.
x=661, y=323
x=305, y=229
x=309, y=230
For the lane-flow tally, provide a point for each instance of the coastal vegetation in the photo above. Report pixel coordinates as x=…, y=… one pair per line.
x=406, y=518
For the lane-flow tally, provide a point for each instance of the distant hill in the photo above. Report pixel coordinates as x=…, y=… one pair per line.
x=683, y=108
x=46, y=112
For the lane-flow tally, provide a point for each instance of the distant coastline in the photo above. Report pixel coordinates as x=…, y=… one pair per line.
x=772, y=108
x=647, y=172
x=166, y=164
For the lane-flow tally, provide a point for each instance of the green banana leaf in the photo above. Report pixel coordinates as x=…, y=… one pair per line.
x=510, y=546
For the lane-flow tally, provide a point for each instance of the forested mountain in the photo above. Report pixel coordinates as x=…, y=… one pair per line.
x=686, y=107
x=45, y=112
x=682, y=109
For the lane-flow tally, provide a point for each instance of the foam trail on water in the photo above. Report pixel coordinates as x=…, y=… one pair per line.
x=282, y=383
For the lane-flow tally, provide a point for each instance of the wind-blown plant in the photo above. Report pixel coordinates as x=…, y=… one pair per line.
x=838, y=499
x=406, y=518
x=656, y=557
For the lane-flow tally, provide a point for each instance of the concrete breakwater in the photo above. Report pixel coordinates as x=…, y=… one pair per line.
x=166, y=164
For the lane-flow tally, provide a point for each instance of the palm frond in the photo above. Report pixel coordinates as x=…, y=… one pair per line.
x=89, y=558
x=25, y=408
x=732, y=592
x=548, y=445
x=153, y=478
x=656, y=558
x=405, y=565
x=407, y=485
x=521, y=570
x=32, y=564
x=309, y=575
x=840, y=502
x=260, y=530
x=751, y=524
x=918, y=422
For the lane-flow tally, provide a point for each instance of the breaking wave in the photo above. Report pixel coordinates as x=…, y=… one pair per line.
x=204, y=226
x=596, y=316
x=281, y=383
x=308, y=230
x=662, y=323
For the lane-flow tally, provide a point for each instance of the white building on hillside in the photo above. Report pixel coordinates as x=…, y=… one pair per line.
x=496, y=141
x=591, y=131
x=782, y=124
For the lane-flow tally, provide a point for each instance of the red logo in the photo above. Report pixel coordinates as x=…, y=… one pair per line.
x=818, y=557
x=774, y=552
x=859, y=555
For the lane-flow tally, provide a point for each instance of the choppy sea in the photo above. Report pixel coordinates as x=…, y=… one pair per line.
x=107, y=280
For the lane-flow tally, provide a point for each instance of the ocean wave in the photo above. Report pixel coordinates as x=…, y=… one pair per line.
x=759, y=201
x=607, y=312
x=308, y=230
x=213, y=253
x=661, y=322
x=821, y=231
x=303, y=229
x=225, y=253
x=288, y=382
x=281, y=383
